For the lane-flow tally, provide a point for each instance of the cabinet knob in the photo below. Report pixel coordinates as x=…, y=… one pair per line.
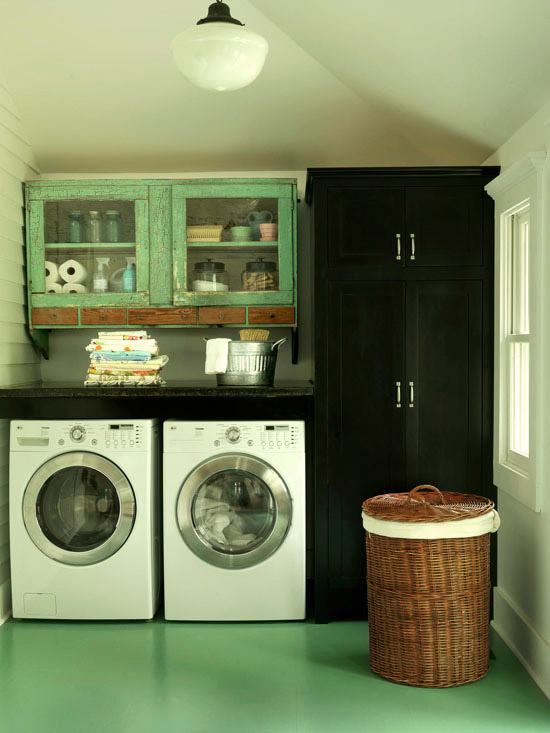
x=413, y=248
x=221, y=316
x=53, y=315
x=272, y=315
x=140, y=315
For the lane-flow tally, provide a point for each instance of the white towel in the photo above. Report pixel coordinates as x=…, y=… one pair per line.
x=217, y=351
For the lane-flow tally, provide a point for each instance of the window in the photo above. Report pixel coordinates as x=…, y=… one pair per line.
x=515, y=356
x=522, y=313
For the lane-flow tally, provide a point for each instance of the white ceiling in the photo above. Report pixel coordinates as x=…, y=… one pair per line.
x=353, y=82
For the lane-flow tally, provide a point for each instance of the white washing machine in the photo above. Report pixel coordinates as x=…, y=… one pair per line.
x=234, y=520
x=84, y=521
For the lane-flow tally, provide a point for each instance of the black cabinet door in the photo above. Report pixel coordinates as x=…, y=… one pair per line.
x=366, y=226
x=444, y=226
x=364, y=424
x=444, y=409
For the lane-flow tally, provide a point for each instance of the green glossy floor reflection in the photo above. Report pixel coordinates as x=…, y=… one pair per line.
x=212, y=678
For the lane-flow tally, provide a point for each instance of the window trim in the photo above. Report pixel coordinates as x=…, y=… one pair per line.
x=521, y=185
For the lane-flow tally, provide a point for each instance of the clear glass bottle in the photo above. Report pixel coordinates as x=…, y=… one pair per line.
x=93, y=226
x=74, y=226
x=113, y=226
x=210, y=277
x=260, y=275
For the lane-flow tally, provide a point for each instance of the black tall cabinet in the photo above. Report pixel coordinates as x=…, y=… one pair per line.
x=403, y=350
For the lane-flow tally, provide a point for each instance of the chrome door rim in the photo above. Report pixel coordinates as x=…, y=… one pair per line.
x=227, y=462
x=123, y=526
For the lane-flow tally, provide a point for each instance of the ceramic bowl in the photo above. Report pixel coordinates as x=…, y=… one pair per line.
x=268, y=229
x=241, y=234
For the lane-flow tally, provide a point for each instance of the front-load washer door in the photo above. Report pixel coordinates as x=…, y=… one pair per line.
x=79, y=508
x=234, y=511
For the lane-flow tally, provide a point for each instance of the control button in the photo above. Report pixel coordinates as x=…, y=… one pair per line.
x=271, y=444
x=286, y=442
x=263, y=443
x=233, y=435
x=77, y=433
x=61, y=441
x=94, y=442
x=115, y=443
x=216, y=442
x=250, y=442
x=131, y=442
x=279, y=442
x=107, y=443
x=123, y=442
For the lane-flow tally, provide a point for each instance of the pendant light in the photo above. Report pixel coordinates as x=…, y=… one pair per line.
x=219, y=53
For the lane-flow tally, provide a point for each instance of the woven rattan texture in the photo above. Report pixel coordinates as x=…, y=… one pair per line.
x=429, y=609
x=427, y=504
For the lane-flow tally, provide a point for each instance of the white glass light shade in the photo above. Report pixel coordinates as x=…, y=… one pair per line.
x=220, y=56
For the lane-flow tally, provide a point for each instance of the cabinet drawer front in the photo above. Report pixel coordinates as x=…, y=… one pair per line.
x=271, y=315
x=222, y=315
x=162, y=316
x=99, y=316
x=54, y=316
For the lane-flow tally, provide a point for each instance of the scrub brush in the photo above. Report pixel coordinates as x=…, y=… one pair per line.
x=254, y=334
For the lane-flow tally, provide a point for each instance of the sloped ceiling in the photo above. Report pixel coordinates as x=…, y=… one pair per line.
x=348, y=83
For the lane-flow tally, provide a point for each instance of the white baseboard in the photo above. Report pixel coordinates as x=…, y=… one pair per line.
x=5, y=601
x=523, y=639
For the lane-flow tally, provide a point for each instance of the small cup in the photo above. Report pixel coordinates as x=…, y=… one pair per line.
x=269, y=230
x=241, y=234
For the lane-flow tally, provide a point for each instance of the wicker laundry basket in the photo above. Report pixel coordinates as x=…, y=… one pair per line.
x=428, y=586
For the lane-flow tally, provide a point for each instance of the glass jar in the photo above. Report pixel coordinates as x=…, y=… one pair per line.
x=74, y=226
x=113, y=226
x=260, y=275
x=93, y=226
x=210, y=277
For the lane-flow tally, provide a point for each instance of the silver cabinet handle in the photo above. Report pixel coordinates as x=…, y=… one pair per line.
x=398, y=237
x=411, y=394
x=413, y=248
x=398, y=394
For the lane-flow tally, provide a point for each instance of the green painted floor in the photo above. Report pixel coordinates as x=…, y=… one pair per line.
x=237, y=678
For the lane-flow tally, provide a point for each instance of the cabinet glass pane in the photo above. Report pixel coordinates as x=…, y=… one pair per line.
x=232, y=244
x=89, y=221
x=87, y=269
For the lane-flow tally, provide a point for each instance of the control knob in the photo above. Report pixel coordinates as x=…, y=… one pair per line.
x=233, y=435
x=77, y=433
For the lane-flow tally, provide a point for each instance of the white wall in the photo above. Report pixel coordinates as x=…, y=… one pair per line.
x=185, y=347
x=522, y=597
x=18, y=361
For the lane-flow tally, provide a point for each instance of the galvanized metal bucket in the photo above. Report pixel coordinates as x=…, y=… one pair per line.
x=251, y=363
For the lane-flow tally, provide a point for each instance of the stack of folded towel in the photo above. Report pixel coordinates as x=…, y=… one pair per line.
x=124, y=358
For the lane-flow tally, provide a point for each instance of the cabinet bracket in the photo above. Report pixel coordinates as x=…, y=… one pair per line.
x=294, y=344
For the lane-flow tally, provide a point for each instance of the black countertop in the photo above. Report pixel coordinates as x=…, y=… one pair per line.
x=185, y=400
x=170, y=390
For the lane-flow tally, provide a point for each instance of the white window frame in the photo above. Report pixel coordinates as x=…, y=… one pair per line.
x=520, y=188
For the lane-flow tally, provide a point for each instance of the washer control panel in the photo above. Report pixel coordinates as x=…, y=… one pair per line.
x=262, y=437
x=86, y=435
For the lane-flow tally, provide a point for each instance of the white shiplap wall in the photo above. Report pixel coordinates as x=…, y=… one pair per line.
x=18, y=360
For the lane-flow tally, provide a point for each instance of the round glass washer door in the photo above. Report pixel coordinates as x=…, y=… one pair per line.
x=234, y=511
x=79, y=508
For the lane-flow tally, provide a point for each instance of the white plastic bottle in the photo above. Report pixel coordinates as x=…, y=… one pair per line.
x=101, y=281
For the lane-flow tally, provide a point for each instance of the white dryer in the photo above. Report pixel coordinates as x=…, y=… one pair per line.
x=84, y=522
x=234, y=520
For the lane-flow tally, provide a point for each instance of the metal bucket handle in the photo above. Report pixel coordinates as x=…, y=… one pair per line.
x=277, y=345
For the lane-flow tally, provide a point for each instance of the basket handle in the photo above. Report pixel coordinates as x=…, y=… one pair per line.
x=424, y=487
x=277, y=345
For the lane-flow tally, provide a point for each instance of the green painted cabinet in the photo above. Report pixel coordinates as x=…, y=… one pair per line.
x=204, y=252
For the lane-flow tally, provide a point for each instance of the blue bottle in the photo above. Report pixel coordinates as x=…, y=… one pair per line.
x=129, y=277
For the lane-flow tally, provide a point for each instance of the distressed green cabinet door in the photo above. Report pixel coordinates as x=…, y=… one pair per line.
x=234, y=244
x=76, y=229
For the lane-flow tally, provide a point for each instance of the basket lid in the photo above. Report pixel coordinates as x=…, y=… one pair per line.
x=426, y=503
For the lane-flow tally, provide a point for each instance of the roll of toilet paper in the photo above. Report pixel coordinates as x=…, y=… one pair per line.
x=74, y=288
x=53, y=287
x=52, y=271
x=73, y=272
